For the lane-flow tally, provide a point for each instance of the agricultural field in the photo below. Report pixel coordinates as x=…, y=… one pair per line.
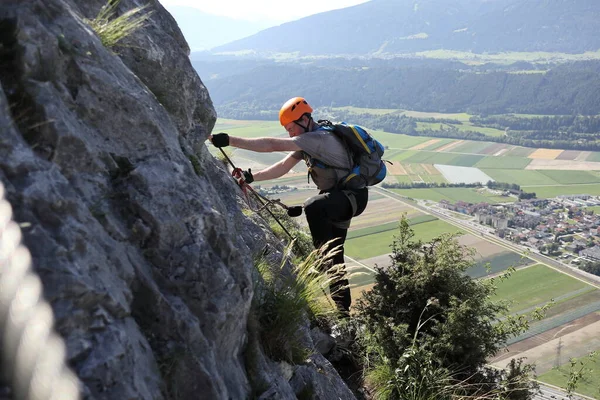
x=520, y=177
x=245, y=128
x=379, y=243
x=506, y=162
x=547, y=192
x=468, y=147
x=589, y=385
x=415, y=173
x=518, y=151
x=496, y=262
x=545, y=154
x=462, y=117
x=372, y=216
x=470, y=195
x=571, y=323
x=398, y=140
x=594, y=156
x=547, y=172
x=572, y=177
x=536, y=286
x=506, y=58
x=465, y=126
x=432, y=157
x=577, y=165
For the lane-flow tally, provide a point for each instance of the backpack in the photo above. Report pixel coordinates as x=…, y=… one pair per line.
x=369, y=169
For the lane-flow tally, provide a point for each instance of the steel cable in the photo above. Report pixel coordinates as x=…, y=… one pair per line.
x=32, y=355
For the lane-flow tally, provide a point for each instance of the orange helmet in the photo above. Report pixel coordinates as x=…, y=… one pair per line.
x=293, y=110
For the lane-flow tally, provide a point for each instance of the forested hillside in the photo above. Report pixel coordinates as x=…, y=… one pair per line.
x=402, y=26
x=567, y=89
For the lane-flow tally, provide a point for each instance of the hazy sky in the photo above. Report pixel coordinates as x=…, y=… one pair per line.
x=273, y=10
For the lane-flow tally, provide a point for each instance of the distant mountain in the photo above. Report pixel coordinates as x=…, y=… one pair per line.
x=404, y=26
x=204, y=31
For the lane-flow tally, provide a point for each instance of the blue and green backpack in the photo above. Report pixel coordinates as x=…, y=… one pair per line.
x=369, y=168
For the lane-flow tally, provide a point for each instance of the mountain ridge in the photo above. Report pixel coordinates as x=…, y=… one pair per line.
x=404, y=26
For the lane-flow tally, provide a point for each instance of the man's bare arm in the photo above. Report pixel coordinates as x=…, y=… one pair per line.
x=264, y=144
x=276, y=170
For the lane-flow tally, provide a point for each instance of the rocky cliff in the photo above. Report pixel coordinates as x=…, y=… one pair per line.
x=135, y=230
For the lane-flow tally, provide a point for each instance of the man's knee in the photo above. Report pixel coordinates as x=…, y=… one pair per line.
x=312, y=208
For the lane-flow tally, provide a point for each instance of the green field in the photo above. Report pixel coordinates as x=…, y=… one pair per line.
x=508, y=162
x=427, y=157
x=462, y=117
x=372, y=111
x=520, y=177
x=377, y=244
x=480, y=129
x=416, y=173
x=249, y=128
x=398, y=140
x=471, y=147
x=241, y=156
x=588, y=386
x=594, y=156
x=432, y=157
x=546, y=192
x=518, y=151
x=438, y=144
x=465, y=126
x=572, y=177
x=507, y=57
x=420, y=219
x=497, y=263
x=535, y=286
x=452, y=195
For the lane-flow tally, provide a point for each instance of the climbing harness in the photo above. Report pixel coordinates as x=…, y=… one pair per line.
x=264, y=202
x=32, y=355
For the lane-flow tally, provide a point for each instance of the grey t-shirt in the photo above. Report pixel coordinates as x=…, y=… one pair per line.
x=327, y=148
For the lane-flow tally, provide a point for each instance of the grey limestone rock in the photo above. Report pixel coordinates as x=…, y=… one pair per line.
x=135, y=230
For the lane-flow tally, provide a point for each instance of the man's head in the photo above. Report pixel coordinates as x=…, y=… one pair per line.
x=295, y=116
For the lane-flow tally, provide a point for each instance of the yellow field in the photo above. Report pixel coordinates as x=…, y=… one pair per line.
x=410, y=170
x=545, y=154
x=431, y=170
x=396, y=169
x=450, y=145
x=425, y=144
x=380, y=211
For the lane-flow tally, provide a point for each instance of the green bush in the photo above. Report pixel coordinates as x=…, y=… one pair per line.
x=428, y=328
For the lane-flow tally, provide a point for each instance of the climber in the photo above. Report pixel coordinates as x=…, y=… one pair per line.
x=328, y=160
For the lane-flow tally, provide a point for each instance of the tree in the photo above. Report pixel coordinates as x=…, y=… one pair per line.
x=424, y=304
x=592, y=268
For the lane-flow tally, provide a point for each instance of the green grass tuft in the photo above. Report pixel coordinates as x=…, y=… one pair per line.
x=284, y=299
x=112, y=30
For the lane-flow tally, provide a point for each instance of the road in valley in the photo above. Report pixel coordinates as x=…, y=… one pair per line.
x=487, y=233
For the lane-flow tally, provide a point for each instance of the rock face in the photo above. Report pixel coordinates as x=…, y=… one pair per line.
x=135, y=230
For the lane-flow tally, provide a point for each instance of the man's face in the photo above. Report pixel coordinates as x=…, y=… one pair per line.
x=293, y=129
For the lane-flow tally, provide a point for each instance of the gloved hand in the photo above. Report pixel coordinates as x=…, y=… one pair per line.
x=242, y=176
x=248, y=176
x=220, y=140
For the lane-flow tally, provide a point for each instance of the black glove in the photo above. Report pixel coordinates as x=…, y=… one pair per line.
x=220, y=140
x=248, y=176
